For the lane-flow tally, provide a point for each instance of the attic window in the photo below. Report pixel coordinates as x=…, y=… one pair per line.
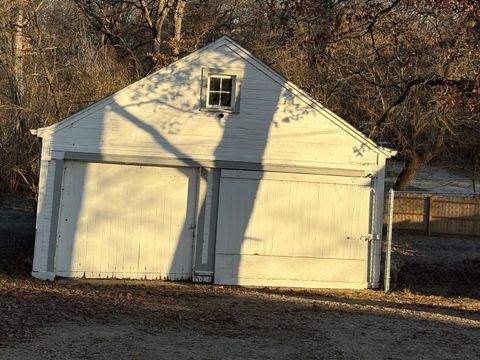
x=220, y=91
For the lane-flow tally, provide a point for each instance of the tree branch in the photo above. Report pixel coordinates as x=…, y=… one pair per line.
x=465, y=85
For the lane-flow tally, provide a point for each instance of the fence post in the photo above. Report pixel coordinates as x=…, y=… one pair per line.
x=388, y=253
x=427, y=215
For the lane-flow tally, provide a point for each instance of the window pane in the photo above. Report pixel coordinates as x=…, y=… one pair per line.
x=227, y=84
x=213, y=98
x=215, y=83
x=226, y=99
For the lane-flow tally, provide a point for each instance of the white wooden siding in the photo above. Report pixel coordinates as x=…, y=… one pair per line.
x=292, y=230
x=44, y=215
x=161, y=117
x=276, y=220
x=126, y=221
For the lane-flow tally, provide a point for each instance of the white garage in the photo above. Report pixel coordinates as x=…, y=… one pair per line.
x=214, y=168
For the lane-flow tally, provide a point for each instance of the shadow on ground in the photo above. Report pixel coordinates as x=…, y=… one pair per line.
x=17, y=235
x=112, y=319
x=105, y=319
x=434, y=265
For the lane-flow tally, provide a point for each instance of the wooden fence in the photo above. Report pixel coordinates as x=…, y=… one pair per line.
x=435, y=214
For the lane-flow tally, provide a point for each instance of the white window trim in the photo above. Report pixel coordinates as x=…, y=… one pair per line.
x=232, y=92
x=236, y=75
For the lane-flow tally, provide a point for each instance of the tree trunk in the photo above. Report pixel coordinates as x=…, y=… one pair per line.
x=163, y=8
x=18, y=42
x=408, y=173
x=178, y=19
x=474, y=172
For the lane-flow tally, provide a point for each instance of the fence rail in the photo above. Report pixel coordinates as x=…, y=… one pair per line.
x=436, y=214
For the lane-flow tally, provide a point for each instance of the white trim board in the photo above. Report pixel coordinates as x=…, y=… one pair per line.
x=278, y=176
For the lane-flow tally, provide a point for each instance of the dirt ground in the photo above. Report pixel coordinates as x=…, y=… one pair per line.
x=155, y=320
x=111, y=320
x=436, y=265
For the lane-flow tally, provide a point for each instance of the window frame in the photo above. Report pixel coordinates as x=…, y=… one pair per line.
x=231, y=92
x=236, y=76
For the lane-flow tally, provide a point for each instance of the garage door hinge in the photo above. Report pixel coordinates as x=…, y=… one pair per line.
x=370, y=237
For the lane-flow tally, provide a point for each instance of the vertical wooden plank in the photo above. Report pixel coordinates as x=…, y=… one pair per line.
x=449, y=215
x=428, y=217
x=431, y=210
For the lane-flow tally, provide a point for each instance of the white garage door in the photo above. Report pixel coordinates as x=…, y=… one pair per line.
x=126, y=221
x=292, y=230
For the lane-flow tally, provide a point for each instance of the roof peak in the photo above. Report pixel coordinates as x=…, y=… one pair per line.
x=255, y=61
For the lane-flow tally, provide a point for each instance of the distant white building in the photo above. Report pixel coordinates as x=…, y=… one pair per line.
x=213, y=168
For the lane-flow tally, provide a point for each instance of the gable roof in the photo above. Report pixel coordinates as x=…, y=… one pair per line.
x=246, y=56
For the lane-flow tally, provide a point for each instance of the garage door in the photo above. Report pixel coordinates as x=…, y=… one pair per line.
x=292, y=230
x=126, y=221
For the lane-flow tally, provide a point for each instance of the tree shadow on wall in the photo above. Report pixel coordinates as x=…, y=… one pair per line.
x=163, y=118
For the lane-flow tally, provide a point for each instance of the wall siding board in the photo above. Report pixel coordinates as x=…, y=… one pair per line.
x=243, y=137
x=273, y=154
x=335, y=162
x=153, y=118
x=44, y=212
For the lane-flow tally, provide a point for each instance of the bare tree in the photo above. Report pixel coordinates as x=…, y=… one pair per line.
x=405, y=72
x=49, y=67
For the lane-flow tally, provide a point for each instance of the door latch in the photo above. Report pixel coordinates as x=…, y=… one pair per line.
x=370, y=237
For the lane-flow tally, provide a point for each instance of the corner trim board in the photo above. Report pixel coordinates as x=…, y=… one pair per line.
x=43, y=275
x=57, y=193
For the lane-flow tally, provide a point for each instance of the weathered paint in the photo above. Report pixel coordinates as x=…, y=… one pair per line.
x=57, y=192
x=301, y=231
x=125, y=221
x=46, y=219
x=274, y=125
x=337, y=170
x=275, y=129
